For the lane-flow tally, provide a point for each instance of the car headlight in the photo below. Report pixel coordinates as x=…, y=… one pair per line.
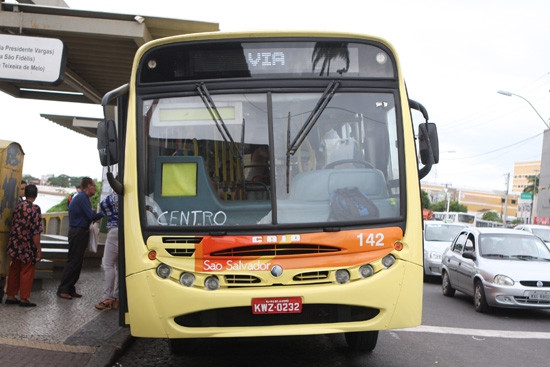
x=503, y=280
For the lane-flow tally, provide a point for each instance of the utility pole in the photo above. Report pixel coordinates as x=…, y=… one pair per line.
x=505, y=216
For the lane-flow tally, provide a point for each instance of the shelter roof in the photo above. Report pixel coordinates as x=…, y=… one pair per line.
x=100, y=47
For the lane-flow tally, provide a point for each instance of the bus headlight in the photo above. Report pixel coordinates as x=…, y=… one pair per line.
x=212, y=283
x=366, y=271
x=187, y=279
x=342, y=276
x=388, y=261
x=164, y=271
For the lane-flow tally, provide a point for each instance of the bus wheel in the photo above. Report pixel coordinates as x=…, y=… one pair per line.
x=183, y=346
x=363, y=341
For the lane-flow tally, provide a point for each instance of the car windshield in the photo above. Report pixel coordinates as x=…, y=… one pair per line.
x=543, y=233
x=512, y=246
x=441, y=232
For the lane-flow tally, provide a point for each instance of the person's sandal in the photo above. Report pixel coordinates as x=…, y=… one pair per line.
x=104, y=305
x=12, y=301
x=26, y=303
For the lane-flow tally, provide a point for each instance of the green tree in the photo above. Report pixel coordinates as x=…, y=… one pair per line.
x=28, y=178
x=63, y=206
x=454, y=206
x=64, y=181
x=533, y=186
x=491, y=216
x=425, y=198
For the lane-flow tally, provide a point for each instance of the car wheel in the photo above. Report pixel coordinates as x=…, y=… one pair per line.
x=363, y=341
x=480, y=302
x=448, y=290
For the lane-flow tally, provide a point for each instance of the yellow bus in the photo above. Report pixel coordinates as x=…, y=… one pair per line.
x=269, y=186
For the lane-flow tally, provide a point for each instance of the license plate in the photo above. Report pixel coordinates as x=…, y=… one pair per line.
x=262, y=306
x=539, y=295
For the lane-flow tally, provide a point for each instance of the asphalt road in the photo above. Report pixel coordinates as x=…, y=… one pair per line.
x=452, y=334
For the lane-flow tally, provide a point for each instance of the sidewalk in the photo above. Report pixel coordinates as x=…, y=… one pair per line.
x=59, y=332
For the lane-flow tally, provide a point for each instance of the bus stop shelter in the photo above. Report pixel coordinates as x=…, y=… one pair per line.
x=99, y=47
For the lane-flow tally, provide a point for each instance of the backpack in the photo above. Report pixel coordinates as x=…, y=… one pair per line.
x=350, y=203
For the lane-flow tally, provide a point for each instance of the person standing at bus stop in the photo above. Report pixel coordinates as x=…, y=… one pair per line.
x=24, y=248
x=109, y=207
x=22, y=186
x=80, y=218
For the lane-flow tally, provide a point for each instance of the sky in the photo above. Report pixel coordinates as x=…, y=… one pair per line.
x=455, y=56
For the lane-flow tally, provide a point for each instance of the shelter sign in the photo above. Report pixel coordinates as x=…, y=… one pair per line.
x=33, y=59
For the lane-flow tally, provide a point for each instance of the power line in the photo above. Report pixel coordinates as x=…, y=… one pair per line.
x=498, y=149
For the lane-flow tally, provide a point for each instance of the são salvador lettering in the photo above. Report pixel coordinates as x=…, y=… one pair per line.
x=192, y=218
x=235, y=265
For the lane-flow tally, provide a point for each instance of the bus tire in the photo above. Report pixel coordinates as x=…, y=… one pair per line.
x=364, y=341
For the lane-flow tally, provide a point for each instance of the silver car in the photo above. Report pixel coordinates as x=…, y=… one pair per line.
x=537, y=229
x=498, y=268
x=438, y=236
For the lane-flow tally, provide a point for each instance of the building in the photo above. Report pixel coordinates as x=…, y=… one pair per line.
x=527, y=204
x=477, y=201
x=522, y=172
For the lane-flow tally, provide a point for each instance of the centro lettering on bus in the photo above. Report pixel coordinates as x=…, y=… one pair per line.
x=277, y=239
x=192, y=218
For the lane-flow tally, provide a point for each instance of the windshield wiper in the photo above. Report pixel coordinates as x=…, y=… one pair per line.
x=312, y=119
x=528, y=257
x=307, y=126
x=218, y=120
x=501, y=256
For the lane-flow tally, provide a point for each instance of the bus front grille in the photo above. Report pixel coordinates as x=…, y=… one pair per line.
x=276, y=250
x=243, y=316
x=190, y=240
x=235, y=279
x=186, y=252
x=313, y=275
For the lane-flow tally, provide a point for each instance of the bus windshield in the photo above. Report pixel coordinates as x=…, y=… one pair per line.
x=271, y=158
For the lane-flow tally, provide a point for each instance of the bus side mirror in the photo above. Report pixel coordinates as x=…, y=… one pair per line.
x=107, y=143
x=428, y=143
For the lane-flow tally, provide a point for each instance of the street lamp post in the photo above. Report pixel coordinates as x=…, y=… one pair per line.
x=543, y=162
x=509, y=94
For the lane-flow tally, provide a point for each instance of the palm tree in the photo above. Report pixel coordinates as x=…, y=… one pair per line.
x=328, y=51
x=533, y=187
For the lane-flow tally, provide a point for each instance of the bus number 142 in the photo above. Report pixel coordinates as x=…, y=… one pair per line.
x=372, y=239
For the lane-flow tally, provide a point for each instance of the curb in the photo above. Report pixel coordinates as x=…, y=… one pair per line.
x=112, y=349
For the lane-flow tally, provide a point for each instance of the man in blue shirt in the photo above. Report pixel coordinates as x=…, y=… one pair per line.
x=80, y=218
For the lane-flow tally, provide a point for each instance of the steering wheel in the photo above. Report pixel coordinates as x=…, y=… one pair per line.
x=346, y=161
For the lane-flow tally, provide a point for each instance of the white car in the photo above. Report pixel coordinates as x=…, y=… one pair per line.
x=539, y=230
x=499, y=268
x=438, y=236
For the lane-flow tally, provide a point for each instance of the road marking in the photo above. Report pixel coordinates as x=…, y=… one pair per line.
x=509, y=334
x=48, y=346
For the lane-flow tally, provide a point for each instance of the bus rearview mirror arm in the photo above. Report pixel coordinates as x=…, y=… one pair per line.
x=428, y=140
